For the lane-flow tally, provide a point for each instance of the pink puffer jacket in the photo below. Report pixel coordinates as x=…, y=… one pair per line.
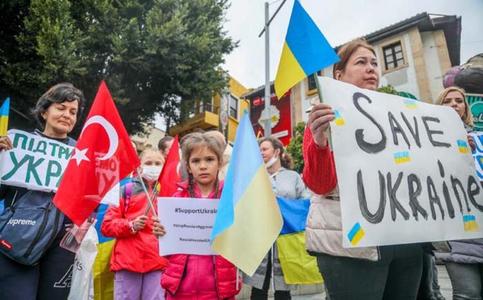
x=199, y=277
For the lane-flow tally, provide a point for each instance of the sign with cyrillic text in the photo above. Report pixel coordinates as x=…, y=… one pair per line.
x=404, y=168
x=35, y=162
x=188, y=223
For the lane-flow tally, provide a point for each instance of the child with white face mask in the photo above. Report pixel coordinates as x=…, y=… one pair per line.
x=135, y=259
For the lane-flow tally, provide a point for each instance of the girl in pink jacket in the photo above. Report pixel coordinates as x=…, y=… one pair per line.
x=200, y=277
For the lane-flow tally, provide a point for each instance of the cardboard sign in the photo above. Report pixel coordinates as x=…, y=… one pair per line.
x=404, y=168
x=35, y=162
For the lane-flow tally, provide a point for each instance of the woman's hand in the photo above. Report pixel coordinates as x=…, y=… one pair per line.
x=319, y=119
x=158, y=229
x=139, y=223
x=5, y=143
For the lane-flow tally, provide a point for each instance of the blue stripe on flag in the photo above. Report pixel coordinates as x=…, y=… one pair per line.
x=354, y=230
x=307, y=43
x=294, y=213
x=467, y=218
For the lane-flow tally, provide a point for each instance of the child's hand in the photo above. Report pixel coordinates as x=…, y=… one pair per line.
x=158, y=229
x=139, y=223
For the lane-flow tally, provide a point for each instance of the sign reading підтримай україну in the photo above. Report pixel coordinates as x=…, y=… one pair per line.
x=404, y=169
x=34, y=162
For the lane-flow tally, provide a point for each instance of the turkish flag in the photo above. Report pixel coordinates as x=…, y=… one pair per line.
x=102, y=157
x=169, y=176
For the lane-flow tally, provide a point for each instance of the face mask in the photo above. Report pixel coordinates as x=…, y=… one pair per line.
x=151, y=173
x=270, y=163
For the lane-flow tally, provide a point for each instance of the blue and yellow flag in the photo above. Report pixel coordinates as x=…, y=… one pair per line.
x=248, y=219
x=304, y=52
x=4, y=110
x=103, y=277
x=297, y=265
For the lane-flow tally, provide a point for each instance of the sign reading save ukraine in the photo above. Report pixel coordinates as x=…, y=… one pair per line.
x=404, y=167
x=34, y=162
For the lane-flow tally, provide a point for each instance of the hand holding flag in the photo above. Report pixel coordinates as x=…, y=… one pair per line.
x=4, y=112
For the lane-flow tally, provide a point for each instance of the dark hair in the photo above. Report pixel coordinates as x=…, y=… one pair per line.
x=285, y=159
x=58, y=93
x=162, y=144
x=346, y=51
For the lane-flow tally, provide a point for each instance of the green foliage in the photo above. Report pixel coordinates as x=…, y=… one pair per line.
x=388, y=89
x=153, y=54
x=294, y=148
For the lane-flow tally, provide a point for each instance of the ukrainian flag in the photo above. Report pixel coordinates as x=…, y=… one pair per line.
x=103, y=277
x=248, y=219
x=4, y=110
x=297, y=265
x=304, y=52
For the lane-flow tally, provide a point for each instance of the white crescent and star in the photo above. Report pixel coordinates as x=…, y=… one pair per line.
x=80, y=155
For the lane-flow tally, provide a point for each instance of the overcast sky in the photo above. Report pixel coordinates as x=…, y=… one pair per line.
x=340, y=21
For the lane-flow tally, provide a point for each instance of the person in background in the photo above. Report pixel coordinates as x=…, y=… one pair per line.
x=135, y=261
x=464, y=262
x=56, y=112
x=200, y=276
x=369, y=273
x=164, y=145
x=286, y=184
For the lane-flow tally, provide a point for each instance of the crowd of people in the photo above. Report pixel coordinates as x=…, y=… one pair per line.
x=405, y=271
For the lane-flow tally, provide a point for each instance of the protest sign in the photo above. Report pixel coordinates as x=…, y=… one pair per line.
x=404, y=168
x=188, y=223
x=478, y=153
x=35, y=162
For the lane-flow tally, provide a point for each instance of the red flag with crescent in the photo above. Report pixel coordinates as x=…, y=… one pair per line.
x=102, y=157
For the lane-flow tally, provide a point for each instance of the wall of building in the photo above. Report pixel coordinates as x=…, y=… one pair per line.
x=433, y=65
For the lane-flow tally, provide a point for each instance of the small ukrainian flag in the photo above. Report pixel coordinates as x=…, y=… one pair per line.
x=462, y=146
x=356, y=234
x=4, y=111
x=469, y=222
x=402, y=157
x=339, y=120
x=411, y=104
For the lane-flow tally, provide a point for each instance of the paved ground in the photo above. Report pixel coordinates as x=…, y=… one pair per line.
x=317, y=293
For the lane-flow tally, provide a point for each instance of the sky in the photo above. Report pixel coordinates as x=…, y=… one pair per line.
x=340, y=21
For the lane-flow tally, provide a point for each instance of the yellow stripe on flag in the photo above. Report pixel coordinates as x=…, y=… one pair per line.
x=297, y=265
x=289, y=72
x=103, y=277
x=251, y=215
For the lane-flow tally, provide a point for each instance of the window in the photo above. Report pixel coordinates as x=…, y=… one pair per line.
x=233, y=107
x=393, y=56
x=312, y=85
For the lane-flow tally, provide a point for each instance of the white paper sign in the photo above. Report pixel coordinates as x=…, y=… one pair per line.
x=35, y=162
x=404, y=168
x=188, y=223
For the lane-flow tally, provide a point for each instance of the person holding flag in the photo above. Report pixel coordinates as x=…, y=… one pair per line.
x=135, y=259
x=57, y=112
x=387, y=272
x=200, y=276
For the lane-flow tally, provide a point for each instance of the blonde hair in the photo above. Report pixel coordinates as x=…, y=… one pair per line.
x=195, y=140
x=467, y=117
x=150, y=150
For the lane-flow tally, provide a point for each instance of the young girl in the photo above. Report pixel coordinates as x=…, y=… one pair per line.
x=135, y=259
x=201, y=277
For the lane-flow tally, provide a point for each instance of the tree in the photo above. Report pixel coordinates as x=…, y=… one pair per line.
x=294, y=148
x=153, y=54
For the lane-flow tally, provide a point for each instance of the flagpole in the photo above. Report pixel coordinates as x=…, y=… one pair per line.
x=150, y=203
x=319, y=92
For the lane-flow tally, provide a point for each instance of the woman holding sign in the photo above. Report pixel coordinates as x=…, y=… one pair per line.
x=465, y=261
x=35, y=267
x=387, y=272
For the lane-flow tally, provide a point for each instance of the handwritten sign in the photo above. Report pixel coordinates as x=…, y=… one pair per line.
x=34, y=162
x=188, y=223
x=404, y=168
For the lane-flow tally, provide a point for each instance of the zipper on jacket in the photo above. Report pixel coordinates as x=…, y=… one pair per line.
x=39, y=233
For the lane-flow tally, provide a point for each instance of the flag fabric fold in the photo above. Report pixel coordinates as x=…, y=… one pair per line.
x=4, y=112
x=169, y=177
x=297, y=265
x=305, y=51
x=102, y=157
x=248, y=219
